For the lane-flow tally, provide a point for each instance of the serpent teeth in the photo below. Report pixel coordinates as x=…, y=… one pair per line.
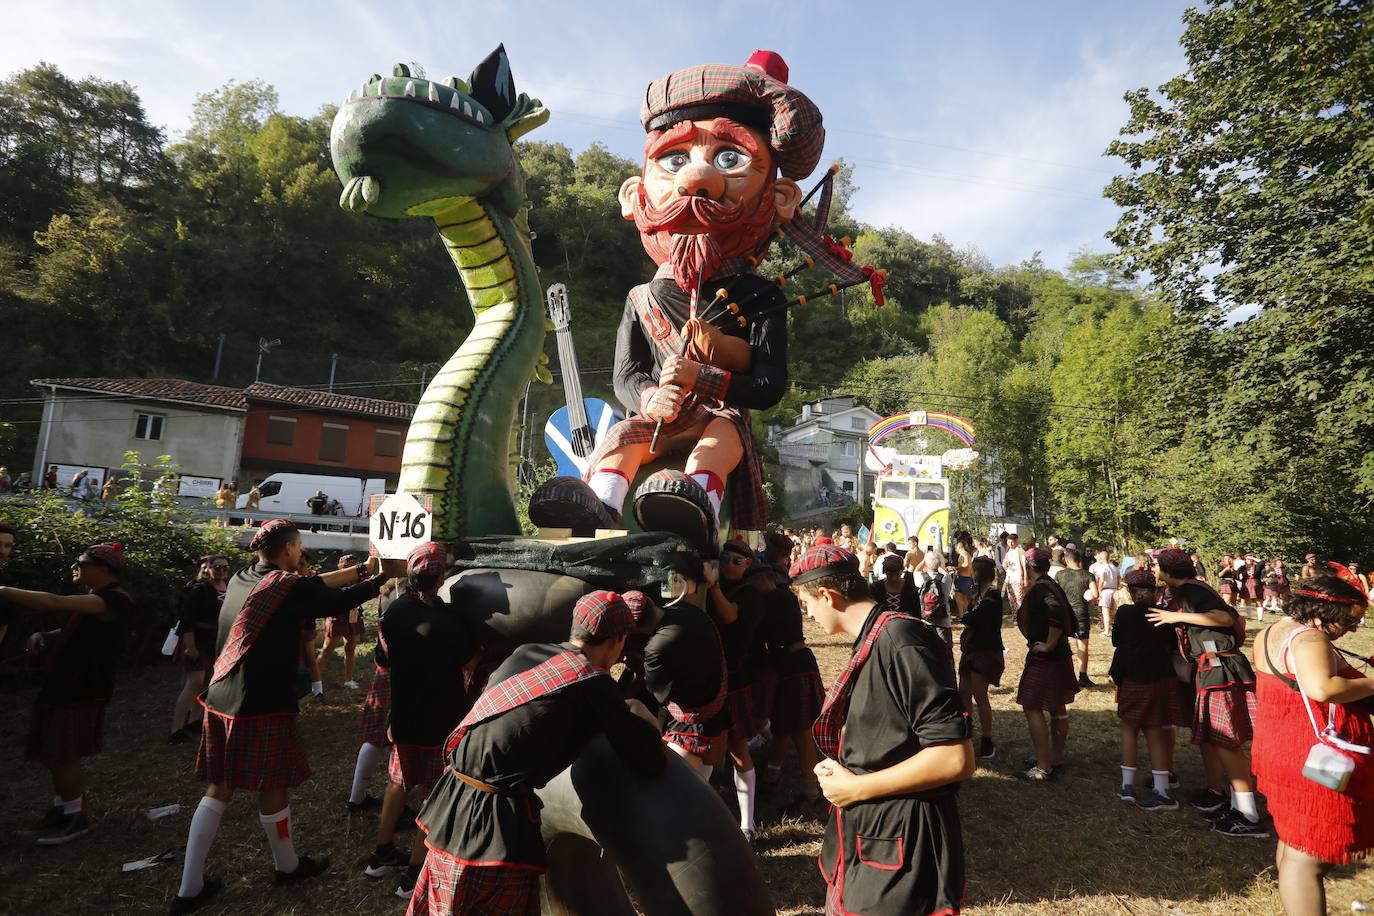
x=433, y=93
x=480, y=118
x=364, y=90
x=467, y=109
x=456, y=102
x=410, y=89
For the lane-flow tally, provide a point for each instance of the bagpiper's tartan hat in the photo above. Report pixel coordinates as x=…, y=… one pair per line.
x=756, y=95
x=821, y=561
x=429, y=559
x=1140, y=578
x=268, y=529
x=603, y=614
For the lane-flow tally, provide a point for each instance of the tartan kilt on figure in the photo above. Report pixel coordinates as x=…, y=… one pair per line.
x=1148, y=704
x=376, y=714
x=251, y=752
x=1047, y=682
x=798, y=702
x=448, y=888
x=1224, y=716
x=414, y=765
x=63, y=733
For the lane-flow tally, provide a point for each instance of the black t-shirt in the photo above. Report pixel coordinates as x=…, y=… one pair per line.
x=1045, y=607
x=908, y=600
x=1143, y=650
x=682, y=658
x=427, y=647
x=983, y=624
x=1075, y=582
x=317, y=504
x=736, y=638
x=88, y=657
x=200, y=606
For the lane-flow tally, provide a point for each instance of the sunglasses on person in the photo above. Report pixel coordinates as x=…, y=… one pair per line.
x=736, y=560
x=220, y=566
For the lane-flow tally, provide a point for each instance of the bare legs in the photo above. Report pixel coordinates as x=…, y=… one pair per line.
x=190, y=689
x=1301, y=885
x=350, y=647
x=1080, y=649
x=973, y=687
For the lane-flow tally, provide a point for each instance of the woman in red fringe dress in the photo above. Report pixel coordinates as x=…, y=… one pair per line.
x=1318, y=827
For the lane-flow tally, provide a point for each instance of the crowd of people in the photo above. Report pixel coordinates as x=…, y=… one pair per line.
x=718, y=673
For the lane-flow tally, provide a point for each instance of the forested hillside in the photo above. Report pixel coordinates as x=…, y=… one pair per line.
x=1113, y=412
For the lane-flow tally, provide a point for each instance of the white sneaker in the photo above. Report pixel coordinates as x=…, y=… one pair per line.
x=350, y=685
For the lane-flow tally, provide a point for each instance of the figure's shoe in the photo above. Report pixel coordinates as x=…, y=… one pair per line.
x=568, y=502
x=671, y=501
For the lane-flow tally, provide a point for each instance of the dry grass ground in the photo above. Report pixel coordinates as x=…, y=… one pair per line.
x=1068, y=848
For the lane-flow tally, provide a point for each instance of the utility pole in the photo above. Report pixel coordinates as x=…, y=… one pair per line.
x=265, y=346
x=219, y=354
x=333, y=364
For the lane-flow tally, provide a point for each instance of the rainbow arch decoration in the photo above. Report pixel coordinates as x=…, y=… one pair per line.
x=959, y=427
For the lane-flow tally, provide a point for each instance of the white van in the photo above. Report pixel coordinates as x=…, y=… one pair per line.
x=287, y=493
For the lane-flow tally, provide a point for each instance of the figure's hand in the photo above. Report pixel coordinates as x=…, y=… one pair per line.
x=36, y=644
x=680, y=372
x=839, y=786
x=665, y=403
x=704, y=339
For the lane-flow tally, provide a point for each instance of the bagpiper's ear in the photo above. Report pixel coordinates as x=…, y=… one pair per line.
x=491, y=84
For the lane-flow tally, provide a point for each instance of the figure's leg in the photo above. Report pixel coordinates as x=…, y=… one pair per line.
x=715, y=456
x=610, y=479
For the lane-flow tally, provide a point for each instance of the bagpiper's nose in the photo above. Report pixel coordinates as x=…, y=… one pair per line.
x=697, y=179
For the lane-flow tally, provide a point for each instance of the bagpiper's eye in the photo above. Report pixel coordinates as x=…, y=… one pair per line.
x=673, y=162
x=728, y=159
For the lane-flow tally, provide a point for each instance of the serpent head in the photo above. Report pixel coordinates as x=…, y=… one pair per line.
x=406, y=146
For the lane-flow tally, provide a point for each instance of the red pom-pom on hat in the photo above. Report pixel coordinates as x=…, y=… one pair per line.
x=769, y=62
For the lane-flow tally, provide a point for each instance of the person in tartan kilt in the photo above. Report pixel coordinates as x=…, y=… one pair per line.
x=1211, y=635
x=706, y=206
x=249, y=740
x=343, y=630
x=544, y=704
x=428, y=645
x=374, y=745
x=69, y=711
x=1047, y=685
x=982, y=657
x=896, y=741
x=1146, y=698
x=684, y=667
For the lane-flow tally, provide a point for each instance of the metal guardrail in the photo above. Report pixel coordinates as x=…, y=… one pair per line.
x=304, y=520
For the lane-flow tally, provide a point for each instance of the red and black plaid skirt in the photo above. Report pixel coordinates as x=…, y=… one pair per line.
x=63, y=733
x=448, y=888
x=251, y=752
x=989, y=663
x=692, y=739
x=741, y=714
x=798, y=703
x=1148, y=704
x=414, y=765
x=376, y=715
x=339, y=627
x=1225, y=716
x=1047, y=682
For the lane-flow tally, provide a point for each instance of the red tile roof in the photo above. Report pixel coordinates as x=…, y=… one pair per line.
x=183, y=392
x=334, y=403
x=155, y=389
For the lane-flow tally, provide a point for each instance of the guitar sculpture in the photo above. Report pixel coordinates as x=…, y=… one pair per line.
x=569, y=432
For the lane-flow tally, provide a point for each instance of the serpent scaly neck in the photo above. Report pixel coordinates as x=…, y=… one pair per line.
x=458, y=446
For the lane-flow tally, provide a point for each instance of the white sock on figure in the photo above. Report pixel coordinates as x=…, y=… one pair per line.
x=278, y=829
x=714, y=487
x=744, y=793
x=370, y=758
x=610, y=487
x=204, y=826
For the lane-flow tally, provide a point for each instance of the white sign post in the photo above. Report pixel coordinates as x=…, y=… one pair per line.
x=398, y=526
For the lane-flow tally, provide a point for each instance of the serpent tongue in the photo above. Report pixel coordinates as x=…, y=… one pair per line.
x=360, y=192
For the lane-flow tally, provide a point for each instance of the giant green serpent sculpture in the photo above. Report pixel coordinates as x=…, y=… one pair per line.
x=410, y=147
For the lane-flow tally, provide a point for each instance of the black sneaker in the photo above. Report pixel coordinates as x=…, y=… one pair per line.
x=1173, y=780
x=1233, y=823
x=1207, y=800
x=1085, y=682
x=986, y=749
x=358, y=807
x=385, y=859
x=1156, y=802
x=49, y=821
x=319, y=697
x=178, y=737
x=209, y=889
x=72, y=826
x=1127, y=794
x=193, y=726
x=405, y=887
x=306, y=867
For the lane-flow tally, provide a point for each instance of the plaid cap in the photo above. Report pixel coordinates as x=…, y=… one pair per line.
x=737, y=545
x=892, y=563
x=603, y=614
x=1140, y=578
x=1039, y=558
x=429, y=559
x=749, y=94
x=821, y=561
x=268, y=529
x=636, y=601
x=112, y=555
x=1175, y=562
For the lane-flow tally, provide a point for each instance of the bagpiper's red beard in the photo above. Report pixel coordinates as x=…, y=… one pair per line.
x=726, y=232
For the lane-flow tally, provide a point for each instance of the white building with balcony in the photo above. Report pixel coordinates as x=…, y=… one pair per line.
x=821, y=454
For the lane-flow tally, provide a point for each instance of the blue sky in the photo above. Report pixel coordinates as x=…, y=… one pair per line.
x=982, y=122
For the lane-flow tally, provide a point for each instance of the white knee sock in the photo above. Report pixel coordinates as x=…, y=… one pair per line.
x=204, y=826
x=610, y=487
x=744, y=791
x=1128, y=776
x=370, y=757
x=278, y=829
x=1244, y=802
x=1161, y=778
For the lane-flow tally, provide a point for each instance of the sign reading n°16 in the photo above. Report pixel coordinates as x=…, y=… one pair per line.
x=398, y=525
